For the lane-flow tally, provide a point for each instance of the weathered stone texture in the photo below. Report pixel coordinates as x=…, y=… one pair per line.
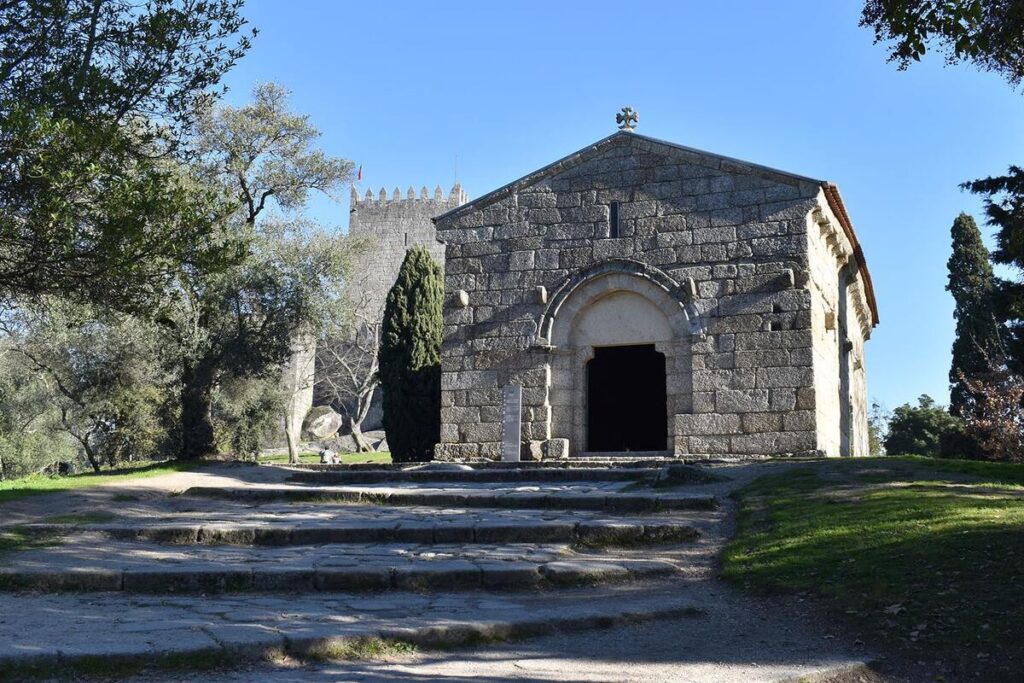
x=392, y=224
x=721, y=265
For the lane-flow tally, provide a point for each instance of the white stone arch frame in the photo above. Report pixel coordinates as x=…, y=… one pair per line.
x=567, y=396
x=678, y=296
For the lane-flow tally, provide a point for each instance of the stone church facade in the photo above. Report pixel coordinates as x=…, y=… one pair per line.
x=653, y=299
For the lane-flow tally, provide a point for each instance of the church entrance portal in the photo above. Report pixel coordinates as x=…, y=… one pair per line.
x=626, y=401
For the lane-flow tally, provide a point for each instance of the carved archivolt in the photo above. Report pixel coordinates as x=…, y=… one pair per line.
x=676, y=299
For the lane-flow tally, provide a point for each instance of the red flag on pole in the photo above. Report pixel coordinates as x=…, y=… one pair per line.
x=359, y=176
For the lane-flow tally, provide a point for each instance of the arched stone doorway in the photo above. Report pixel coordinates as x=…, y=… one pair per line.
x=629, y=332
x=627, y=410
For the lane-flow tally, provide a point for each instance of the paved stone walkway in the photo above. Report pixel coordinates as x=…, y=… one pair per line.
x=737, y=639
x=525, y=558
x=88, y=562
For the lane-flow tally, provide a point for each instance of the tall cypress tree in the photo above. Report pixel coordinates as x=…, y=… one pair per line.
x=972, y=284
x=410, y=358
x=1004, y=210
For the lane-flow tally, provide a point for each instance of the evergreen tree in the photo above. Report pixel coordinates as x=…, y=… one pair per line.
x=972, y=285
x=410, y=358
x=1004, y=210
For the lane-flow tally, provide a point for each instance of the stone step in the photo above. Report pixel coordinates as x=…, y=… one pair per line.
x=590, y=533
x=609, y=500
x=107, y=634
x=88, y=564
x=576, y=474
x=590, y=462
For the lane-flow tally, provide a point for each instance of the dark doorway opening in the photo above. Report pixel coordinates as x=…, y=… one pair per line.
x=626, y=409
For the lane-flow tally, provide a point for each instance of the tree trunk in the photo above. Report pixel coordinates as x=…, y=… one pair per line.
x=293, y=450
x=362, y=445
x=364, y=401
x=196, y=414
x=91, y=456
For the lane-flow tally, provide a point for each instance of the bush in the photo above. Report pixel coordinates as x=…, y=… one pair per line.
x=246, y=414
x=960, y=444
x=918, y=430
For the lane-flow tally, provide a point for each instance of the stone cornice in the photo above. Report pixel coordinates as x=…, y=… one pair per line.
x=843, y=250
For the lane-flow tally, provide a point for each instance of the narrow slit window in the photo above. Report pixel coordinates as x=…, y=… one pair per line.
x=406, y=239
x=613, y=220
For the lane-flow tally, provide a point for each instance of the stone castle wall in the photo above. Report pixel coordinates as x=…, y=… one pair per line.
x=392, y=224
x=720, y=264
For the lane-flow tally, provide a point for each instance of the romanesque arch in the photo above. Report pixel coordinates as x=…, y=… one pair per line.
x=674, y=298
x=611, y=309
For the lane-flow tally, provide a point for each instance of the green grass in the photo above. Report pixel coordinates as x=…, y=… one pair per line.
x=1000, y=472
x=37, y=484
x=357, y=649
x=382, y=457
x=15, y=538
x=97, y=517
x=900, y=549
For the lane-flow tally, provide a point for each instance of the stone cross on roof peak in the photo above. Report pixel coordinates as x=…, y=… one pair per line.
x=627, y=119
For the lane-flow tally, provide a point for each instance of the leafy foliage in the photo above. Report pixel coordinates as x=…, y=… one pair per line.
x=1004, y=210
x=410, y=358
x=288, y=273
x=246, y=411
x=94, y=99
x=31, y=437
x=918, y=430
x=99, y=374
x=878, y=425
x=997, y=421
x=989, y=33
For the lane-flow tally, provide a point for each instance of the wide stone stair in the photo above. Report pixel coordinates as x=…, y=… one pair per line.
x=297, y=557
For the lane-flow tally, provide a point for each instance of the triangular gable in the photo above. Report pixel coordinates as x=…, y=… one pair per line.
x=670, y=149
x=686, y=155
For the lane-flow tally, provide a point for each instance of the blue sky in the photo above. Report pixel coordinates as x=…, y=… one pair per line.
x=412, y=90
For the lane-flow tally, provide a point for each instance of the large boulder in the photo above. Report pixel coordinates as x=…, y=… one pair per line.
x=321, y=423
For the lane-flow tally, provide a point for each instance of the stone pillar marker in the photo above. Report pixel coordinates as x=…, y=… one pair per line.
x=511, y=421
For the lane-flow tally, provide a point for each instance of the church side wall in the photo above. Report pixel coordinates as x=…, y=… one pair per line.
x=824, y=289
x=840, y=329
x=746, y=384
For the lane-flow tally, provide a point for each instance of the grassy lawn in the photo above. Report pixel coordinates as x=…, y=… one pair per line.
x=37, y=484
x=346, y=459
x=920, y=558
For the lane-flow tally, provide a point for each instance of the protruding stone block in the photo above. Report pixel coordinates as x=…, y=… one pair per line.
x=556, y=449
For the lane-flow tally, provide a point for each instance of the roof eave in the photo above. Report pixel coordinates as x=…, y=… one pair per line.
x=835, y=202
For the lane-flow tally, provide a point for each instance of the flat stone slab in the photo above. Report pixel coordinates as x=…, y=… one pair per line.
x=88, y=562
x=450, y=472
x=63, y=628
x=283, y=530
x=540, y=497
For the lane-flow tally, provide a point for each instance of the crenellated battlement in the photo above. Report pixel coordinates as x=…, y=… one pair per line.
x=456, y=197
x=395, y=221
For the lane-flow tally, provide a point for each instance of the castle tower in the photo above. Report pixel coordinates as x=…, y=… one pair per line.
x=394, y=223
